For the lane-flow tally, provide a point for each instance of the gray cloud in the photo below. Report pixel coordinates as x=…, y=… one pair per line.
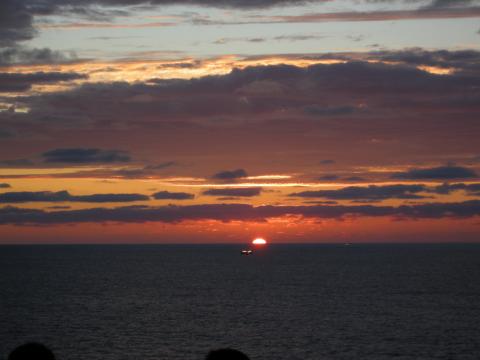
x=294, y=38
x=441, y=172
x=385, y=89
x=371, y=192
x=21, y=55
x=433, y=3
x=219, y=95
x=244, y=192
x=15, y=22
x=291, y=38
x=428, y=12
x=231, y=212
x=162, y=195
x=85, y=156
x=452, y=3
x=4, y=185
x=230, y=174
x=65, y=196
x=400, y=105
x=462, y=60
x=16, y=82
x=470, y=189
x=328, y=177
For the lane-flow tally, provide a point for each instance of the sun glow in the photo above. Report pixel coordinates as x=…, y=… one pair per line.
x=259, y=241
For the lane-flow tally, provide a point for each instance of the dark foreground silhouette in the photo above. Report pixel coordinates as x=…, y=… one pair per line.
x=226, y=354
x=31, y=351
x=36, y=351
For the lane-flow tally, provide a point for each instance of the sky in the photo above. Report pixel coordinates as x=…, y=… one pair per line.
x=218, y=121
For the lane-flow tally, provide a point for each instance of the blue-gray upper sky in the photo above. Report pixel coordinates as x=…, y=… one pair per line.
x=208, y=31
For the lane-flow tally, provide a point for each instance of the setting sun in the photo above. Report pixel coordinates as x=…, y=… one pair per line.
x=259, y=241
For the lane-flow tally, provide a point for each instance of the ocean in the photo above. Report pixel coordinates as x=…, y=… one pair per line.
x=305, y=302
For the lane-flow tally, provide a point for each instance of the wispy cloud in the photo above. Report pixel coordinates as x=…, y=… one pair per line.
x=354, y=16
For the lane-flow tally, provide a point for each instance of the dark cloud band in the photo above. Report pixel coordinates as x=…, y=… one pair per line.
x=230, y=174
x=85, y=156
x=244, y=192
x=441, y=172
x=371, y=192
x=65, y=196
x=12, y=82
x=234, y=212
x=167, y=195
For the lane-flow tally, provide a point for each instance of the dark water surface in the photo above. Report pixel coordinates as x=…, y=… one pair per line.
x=285, y=302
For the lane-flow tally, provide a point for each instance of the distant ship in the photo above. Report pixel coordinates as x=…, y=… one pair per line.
x=246, y=252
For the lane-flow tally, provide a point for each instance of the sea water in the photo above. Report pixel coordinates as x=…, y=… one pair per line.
x=283, y=302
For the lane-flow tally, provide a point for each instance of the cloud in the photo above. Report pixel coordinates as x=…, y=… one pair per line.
x=464, y=61
x=230, y=174
x=244, y=192
x=372, y=192
x=234, y=212
x=321, y=202
x=387, y=15
x=382, y=88
x=294, y=38
x=162, y=195
x=223, y=41
x=396, y=101
x=452, y=3
x=441, y=172
x=15, y=22
x=4, y=185
x=85, y=156
x=470, y=189
x=356, y=16
x=64, y=196
x=13, y=82
x=327, y=162
x=328, y=177
x=20, y=55
x=291, y=38
x=432, y=3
